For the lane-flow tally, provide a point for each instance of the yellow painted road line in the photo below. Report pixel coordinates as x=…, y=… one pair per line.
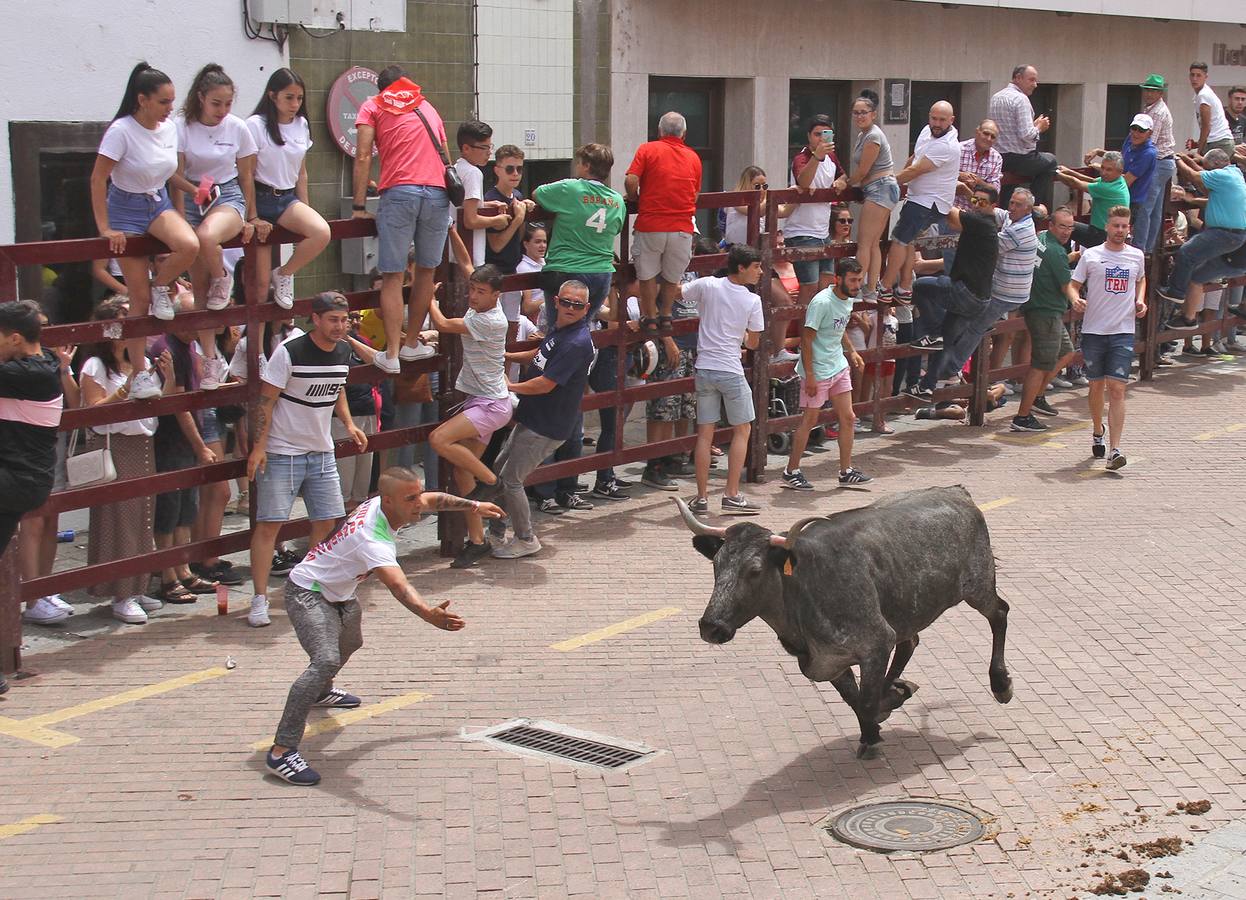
x=1229, y=429
x=610, y=631
x=30, y=823
x=338, y=720
x=1010, y=437
x=34, y=729
x=1093, y=473
x=996, y=504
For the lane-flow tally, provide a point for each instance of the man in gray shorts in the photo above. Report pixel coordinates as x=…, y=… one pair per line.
x=730, y=315
x=320, y=599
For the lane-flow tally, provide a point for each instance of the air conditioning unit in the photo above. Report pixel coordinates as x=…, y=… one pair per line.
x=348, y=15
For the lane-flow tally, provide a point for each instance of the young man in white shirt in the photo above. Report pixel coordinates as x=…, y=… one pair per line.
x=320, y=598
x=1211, y=126
x=1114, y=275
x=475, y=140
x=731, y=315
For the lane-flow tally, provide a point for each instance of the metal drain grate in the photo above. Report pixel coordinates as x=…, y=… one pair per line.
x=549, y=740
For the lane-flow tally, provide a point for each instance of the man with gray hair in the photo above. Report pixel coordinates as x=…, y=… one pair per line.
x=1014, y=267
x=1225, y=226
x=549, y=408
x=1019, y=132
x=664, y=178
x=1107, y=192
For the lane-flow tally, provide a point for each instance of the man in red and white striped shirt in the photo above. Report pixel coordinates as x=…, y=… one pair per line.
x=980, y=163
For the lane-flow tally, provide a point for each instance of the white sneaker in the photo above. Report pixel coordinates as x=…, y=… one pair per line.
x=55, y=600
x=1218, y=348
x=161, y=303
x=215, y=373
x=128, y=611
x=283, y=289
x=218, y=292
x=420, y=351
x=386, y=363
x=44, y=612
x=784, y=356
x=258, y=616
x=145, y=386
x=149, y=604
x=515, y=548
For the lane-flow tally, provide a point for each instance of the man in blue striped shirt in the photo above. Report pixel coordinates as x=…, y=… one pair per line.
x=1014, y=267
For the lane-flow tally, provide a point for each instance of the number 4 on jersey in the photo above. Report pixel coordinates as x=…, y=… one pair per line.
x=597, y=221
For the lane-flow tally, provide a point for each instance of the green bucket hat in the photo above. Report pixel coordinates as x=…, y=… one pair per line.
x=1154, y=83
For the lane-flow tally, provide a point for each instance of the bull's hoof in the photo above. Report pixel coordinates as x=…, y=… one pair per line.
x=897, y=693
x=869, y=751
x=1005, y=695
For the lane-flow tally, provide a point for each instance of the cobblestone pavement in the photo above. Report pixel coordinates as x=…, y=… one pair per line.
x=128, y=766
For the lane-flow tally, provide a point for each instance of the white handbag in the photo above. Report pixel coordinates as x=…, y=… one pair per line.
x=92, y=467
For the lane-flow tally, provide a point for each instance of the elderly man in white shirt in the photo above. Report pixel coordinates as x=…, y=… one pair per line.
x=1019, y=131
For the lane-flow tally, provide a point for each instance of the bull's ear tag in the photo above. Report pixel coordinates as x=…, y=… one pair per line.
x=787, y=566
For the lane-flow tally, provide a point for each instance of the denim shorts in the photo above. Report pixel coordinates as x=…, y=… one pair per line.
x=409, y=213
x=209, y=425
x=884, y=192
x=914, y=219
x=270, y=206
x=1107, y=355
x=809, y=271
x=231, y=198
x=134, y=213
x=723, y=392
x=313, y=475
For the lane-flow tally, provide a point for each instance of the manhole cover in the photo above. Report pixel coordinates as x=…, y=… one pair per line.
x=918, y=825
x=550, y=740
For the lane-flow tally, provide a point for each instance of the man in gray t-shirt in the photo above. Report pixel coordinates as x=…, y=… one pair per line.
x=462, y=439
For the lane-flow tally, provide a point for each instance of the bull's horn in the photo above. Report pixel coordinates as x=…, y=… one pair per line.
x=795, y=530
x=695, y=525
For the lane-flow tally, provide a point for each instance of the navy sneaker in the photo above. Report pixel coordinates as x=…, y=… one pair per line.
x=919, y=393
x=854, y=476
x=292, y=768
x=485, y=493
x=1116, y=461
x=336, y=698
x=471, y=554
x=795, y=481
x=1042, y=405
x=1099, y=444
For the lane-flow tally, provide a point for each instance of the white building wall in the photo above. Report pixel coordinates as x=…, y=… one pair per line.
x=68, y=61
x=865, y=41
x=525, y=76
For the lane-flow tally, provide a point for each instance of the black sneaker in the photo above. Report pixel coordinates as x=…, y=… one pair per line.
x=928, y=342
x=576, y=502
x=550, y=506
x=699, y=506
x=1027, y=423
x=919, y=393
x=336, y=698
x=292, y=768
x=470, y=555
x=1166, y=292
x=1099, y=444
x=284, y=561
x=796, y=481
x=485, y=493
x=739, y=506
x=1179, y=322
x=656, y=478
x=610, y=490
x=853, y=476
x=1116, y=461
x=619, y=482
x=1042, y=405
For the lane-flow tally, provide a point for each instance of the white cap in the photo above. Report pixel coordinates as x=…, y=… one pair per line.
x=1143, y=121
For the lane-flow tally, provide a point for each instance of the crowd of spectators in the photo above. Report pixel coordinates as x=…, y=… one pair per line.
x=205, y=176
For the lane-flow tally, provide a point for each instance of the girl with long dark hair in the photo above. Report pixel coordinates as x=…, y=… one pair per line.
x=129, y=195
x=282, y=138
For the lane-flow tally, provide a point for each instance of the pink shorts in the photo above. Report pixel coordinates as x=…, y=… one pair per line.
x=827, y=388
x=487, y=414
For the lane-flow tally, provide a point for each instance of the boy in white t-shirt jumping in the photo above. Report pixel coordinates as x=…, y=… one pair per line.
x=1114, y=275
x=321, y=603
x=462, y=439
x=730, y=315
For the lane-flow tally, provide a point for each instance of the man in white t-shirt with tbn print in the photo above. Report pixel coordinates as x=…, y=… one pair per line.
x=1114, y=275
x=730, y=316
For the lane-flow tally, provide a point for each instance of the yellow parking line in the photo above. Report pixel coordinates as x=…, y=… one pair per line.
x=1228, y=429
x=34, y=728
x=610, y=631
x=1040, y=438
x=996, y=504
x=30, y=823
x=338, y=720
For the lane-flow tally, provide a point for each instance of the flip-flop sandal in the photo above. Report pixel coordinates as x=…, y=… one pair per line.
x=176, y=593
x=197, y=585
x=666, y=323
x=648, y=325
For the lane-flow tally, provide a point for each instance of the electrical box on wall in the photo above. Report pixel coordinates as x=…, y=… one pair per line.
x=349, y=15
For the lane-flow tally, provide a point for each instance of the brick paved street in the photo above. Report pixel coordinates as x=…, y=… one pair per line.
x=1126, y=593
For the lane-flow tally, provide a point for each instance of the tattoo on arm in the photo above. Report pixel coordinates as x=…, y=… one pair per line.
x=447, y=502
x=262, y=418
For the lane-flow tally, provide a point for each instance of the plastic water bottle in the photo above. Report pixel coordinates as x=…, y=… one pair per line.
x=65, y=537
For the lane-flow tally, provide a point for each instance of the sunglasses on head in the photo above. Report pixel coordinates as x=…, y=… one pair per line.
x=511, y=170
x=572, y=304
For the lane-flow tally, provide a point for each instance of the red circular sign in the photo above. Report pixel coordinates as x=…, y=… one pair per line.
x=348, y=93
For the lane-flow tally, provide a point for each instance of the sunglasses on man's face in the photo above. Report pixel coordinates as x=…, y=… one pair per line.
x=572, y=304
x=513, y=170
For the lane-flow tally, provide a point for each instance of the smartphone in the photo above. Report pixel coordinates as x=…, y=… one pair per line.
x=214, y=194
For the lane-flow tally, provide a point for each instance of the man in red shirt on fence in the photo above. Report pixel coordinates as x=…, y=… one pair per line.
x=664, y=176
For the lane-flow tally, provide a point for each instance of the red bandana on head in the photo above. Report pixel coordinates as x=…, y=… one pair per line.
x=402, y=96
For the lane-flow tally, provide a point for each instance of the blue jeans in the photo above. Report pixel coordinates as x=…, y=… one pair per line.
x=1205, y=246
x=284, y=477
x=551, y=280
x=1165, y=169
x=1232, y=265
x=411, y=213
x=950, y=308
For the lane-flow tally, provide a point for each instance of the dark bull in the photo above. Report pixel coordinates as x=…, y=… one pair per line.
x=860, y=585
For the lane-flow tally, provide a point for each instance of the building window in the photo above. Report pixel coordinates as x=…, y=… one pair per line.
x=1124, y=101
x=700, y=101
x=1044, y=102
x=925, y=94
x=807, y=99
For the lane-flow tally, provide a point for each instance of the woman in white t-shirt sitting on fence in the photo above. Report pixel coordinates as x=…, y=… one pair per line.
x=130, y=195
x=282, y=139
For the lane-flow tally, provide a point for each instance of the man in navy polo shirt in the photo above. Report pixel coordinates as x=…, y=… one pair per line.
x=549, y=407
x=1138, y=156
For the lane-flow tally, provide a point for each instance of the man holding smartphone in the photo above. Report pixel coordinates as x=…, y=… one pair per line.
x=1019, y=131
